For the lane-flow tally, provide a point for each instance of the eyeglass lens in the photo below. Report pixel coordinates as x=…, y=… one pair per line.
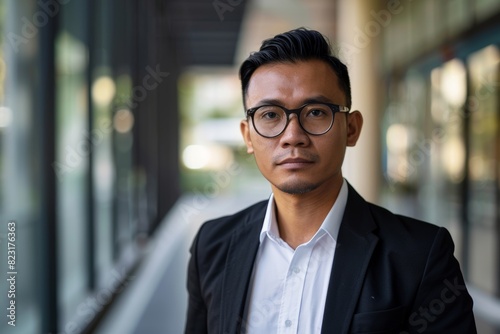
x=315, y=119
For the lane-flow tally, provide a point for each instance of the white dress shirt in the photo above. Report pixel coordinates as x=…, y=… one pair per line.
x=288, y=288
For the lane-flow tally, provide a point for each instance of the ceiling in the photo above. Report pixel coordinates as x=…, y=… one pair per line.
x=222, y=32
x=206, y=32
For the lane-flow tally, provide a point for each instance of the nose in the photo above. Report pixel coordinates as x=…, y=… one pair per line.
x=294, y=135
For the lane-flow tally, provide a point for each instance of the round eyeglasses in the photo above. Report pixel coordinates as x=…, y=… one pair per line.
x=316, y=118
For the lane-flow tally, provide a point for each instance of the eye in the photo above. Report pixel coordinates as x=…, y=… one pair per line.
x=269, y=113
x=316, y=112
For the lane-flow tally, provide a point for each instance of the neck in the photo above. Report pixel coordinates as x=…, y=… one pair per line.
x=300, y=216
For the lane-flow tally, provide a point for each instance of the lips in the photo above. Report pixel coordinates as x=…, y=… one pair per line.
x=295, y=163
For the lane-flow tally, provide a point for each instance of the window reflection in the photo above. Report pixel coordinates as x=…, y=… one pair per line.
x=484, y=146
x=19, y=166
x=442, y=194
x=456, y=176
x=425, y=144
x=450, y=98
x=73, y=149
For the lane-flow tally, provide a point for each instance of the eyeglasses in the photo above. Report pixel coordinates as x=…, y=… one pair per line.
x=316, y=118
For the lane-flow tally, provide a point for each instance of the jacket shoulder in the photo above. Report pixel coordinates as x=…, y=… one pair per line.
x=364, y=217
x=408, y=234
x=385, y=217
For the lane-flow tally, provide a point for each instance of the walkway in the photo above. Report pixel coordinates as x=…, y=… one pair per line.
x=155, y=300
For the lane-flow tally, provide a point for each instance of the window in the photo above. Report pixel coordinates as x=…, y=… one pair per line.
x=483, y=166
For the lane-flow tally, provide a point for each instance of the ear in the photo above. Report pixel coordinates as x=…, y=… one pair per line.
x=354, y=125
x=245, y=132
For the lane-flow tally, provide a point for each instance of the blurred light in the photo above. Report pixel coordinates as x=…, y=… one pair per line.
x=211, y=93
x=5, y=117
x=72, y=54
x=453, y=83
x=453, y=158
x=438, y=105
x=436, y=78
x=397, y=138
x=195, y=156
x=123, y=121
x=104, y=176
x=225, y=131
x=212, y=157
x=103, y=90
x=478, y=168
x=123, y=89
x=492, y=54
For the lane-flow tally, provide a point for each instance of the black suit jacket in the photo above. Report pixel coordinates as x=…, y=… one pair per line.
x=391, y=274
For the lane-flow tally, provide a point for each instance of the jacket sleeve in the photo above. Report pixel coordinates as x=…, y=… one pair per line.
x=196, y=322
x=442, y=303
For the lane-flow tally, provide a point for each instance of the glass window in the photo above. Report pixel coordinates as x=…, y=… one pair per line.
x=406, y=154
x=103, y=90
x=484, y=129
x=123, y=122
x=425, y=155
x=443, y=191
x=73, y=147
x=20, y=195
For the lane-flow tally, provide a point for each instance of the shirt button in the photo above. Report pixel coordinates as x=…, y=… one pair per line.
x=296, y=270
x=288, y=323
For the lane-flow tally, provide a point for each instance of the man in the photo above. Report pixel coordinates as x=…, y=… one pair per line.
x=315, y=257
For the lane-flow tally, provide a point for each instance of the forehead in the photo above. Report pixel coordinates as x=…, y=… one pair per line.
x=293, y=83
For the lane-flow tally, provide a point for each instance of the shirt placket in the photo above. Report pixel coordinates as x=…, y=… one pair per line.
x=293, y=289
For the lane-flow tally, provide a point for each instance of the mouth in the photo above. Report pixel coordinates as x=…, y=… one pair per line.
x=295, y=163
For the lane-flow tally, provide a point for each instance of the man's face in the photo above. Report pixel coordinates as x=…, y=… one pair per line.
x=296, y=162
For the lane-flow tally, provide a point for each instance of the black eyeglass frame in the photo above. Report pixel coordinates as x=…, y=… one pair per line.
x=335, y=108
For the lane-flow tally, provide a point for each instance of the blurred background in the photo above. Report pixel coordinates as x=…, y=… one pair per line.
x=119, y=136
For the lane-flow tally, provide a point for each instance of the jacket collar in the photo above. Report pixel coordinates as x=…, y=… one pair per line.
x=355, y=246
x=241, y=256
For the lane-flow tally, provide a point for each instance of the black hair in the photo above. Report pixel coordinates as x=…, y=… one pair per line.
x=295, y=45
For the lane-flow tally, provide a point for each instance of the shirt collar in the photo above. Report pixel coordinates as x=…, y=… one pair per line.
x=330, y=225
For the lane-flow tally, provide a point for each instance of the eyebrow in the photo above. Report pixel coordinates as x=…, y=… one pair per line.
x=312, y=99
x=318, y=98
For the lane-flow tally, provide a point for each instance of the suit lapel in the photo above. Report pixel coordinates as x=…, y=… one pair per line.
x=239, y=265
x=355, y=245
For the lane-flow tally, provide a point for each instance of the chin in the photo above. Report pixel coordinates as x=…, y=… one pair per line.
x=297, y=188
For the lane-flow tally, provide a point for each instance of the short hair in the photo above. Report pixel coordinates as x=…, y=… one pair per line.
x=295, y=45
